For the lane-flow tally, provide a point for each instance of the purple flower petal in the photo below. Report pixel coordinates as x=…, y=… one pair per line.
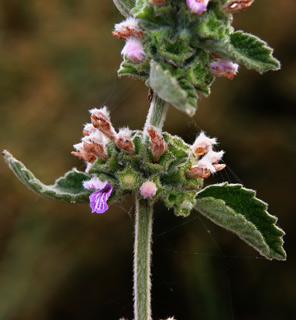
x=98, y=199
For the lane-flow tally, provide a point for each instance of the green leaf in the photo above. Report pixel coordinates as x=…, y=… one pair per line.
x=236, y=209
x=169, y=89
x=199, y=73
x=124, y=6
x=246, y=49
x=253, y=52
x=68, y=188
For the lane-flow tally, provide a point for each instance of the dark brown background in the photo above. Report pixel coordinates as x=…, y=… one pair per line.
x=57, y=261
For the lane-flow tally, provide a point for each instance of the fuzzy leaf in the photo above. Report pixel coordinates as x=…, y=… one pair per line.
x=246, y=49
x=169, y=89
x=253, y=52
x=68, y=188
x=236, y=209
x=124, y=6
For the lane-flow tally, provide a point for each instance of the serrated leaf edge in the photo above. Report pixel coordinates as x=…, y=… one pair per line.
x=268, y=254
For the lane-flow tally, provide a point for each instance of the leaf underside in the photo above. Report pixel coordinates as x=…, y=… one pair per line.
x=170, y=90
x=68, y=188
x=236, y=209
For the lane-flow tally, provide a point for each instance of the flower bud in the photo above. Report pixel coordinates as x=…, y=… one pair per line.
x=207, y=165
x=82, y=154
x=197, y=6
x=88, y=129
x=123, y=140
x=202, y=144
x=158, y=145
x=148, y=189
x=224, y=68
x=128, y=28
x=237, y=6
x=134, y=50
x=95, y=144
x=196, y=172
x=100, y=119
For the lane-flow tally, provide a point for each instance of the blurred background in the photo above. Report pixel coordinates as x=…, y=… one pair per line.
x=58, y=59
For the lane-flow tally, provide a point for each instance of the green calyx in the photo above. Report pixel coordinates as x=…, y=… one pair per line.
x=180, y=47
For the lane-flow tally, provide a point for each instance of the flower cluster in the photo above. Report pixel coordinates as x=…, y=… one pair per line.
x=130, y=31
x=97, y=135
x=121, y=162
x=179, y=47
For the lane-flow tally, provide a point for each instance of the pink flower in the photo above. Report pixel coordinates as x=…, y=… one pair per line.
x=134, y=50
x=197, y=6
x=148, y=189
x=98, y=199
x=224, y=68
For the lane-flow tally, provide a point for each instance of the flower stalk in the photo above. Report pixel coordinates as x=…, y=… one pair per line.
x=142, y=260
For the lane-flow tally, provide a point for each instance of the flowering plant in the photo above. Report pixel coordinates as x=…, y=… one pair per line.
x=177, y=47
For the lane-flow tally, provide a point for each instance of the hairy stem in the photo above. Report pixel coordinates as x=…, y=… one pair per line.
x=143, y=228
x=156, y=115
x=142, y=256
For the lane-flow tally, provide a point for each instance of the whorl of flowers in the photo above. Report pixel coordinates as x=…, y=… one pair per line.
x=120, y=163
x=179, y=46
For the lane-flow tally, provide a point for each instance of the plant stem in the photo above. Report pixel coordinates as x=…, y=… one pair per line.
x=156, y=115
x=143, y=227
x=142, y=256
